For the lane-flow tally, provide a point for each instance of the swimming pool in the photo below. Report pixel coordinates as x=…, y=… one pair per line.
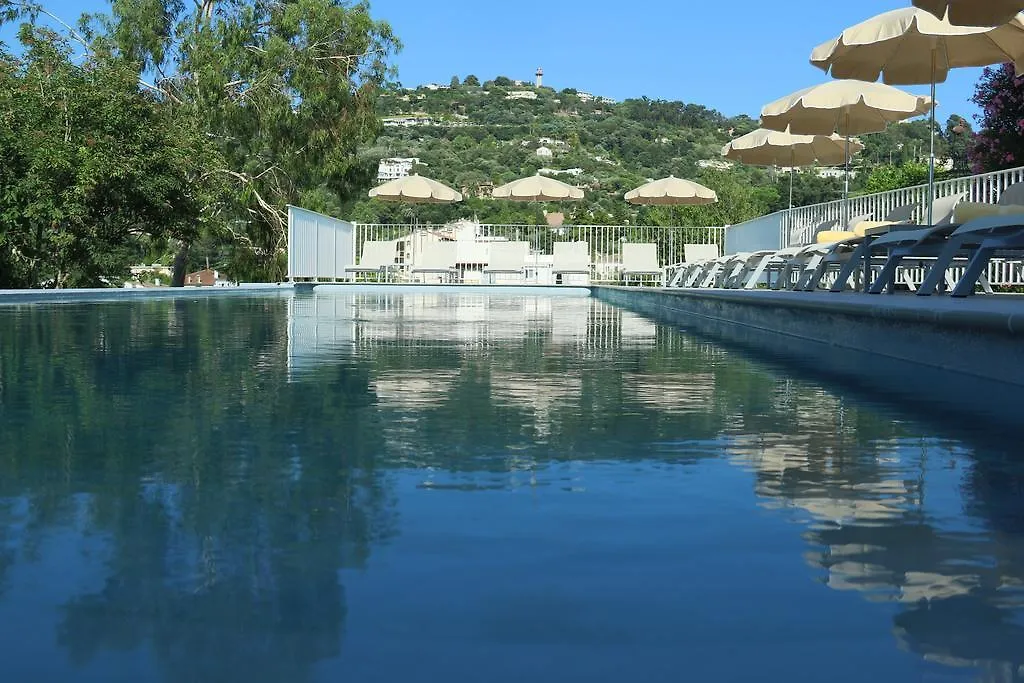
x=377, y=486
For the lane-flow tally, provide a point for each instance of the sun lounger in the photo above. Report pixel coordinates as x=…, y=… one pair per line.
x=937, y=247
x=712, y=273
x=571, y=258
x=857, y=252
x=437, y=258
x=639, y=260
x=748, y=273
x=694, y=273
x=743, y=270
x=981, y=239
x=841, y=246
x=377, y=258
x=993, y=223
x=506, y=259
x=694, y=256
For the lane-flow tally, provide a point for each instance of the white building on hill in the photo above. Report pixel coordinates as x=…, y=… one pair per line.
x=521, y=95
x=395, y=168
x=715, y=164
x=574, y=172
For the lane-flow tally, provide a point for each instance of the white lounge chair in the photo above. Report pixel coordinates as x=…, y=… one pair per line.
x=694, y=256
x=695, y=272
x=713, y=273
x=377, y=258
x=640, y=261
x=747, y=269
x=506, y=262
x=571, y=262
x=437, y=258
x=688, y=273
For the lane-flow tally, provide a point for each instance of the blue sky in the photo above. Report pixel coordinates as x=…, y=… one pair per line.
x=732, y=56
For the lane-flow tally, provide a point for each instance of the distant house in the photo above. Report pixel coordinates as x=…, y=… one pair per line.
x=395, y=167
x=202, y=278
x=715, y=164
x=521, y=95
x=836, y=173
x=544, y=152
x=408, y=121
x=574, y=172
x=552, y=142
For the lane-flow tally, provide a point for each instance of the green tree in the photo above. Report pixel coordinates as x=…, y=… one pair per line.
x=885, y=178
x=284, y=93
x=91, y=165
x=999, y=143
x=472, y=80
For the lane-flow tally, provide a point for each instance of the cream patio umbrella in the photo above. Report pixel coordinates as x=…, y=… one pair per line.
x=415, y=189
x=845, y=107
x=537, y=188
x=973, y=12
x=912, y=47
x=672, y=191
x=764, y=147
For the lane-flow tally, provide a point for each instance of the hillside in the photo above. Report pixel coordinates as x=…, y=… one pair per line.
x=475, y=135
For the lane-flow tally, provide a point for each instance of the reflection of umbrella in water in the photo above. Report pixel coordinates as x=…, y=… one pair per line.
x=973, y=12
x=967, y=629
x=764, y=147
x=911, y=47
x=846, y=107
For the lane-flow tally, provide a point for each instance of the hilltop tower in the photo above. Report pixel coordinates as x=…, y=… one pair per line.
x=540, y=77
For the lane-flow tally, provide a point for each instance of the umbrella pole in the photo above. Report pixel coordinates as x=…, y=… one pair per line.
x=931, y=156
x=792, y=172
x=846, y=182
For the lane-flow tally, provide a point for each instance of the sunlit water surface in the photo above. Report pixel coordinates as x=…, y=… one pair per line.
x=478, y=488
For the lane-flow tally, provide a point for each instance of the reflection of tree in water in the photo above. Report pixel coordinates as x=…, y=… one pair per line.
x=230, y=498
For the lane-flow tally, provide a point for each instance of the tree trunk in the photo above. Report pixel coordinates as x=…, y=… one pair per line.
x=180, y=261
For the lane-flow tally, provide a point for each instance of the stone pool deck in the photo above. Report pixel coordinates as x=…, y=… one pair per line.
x=980, y=336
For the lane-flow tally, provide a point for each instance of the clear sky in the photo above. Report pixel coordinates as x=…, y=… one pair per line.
x=732, y=56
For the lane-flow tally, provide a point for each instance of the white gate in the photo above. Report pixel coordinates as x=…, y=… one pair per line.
x=319, y=247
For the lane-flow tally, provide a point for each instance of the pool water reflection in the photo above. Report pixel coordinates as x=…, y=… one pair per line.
x=460, y=487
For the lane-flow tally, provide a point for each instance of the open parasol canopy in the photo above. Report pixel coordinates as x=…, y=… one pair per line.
x=912, y=47
x=672, y=191
x=415, y=189
x=973, y=12
x=537, y=188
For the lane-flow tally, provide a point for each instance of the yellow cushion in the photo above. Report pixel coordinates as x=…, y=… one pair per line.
x=830, y=236
x=865, y=228
x=968, y=211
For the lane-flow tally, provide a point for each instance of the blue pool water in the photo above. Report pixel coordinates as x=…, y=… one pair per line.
x=450, y=487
